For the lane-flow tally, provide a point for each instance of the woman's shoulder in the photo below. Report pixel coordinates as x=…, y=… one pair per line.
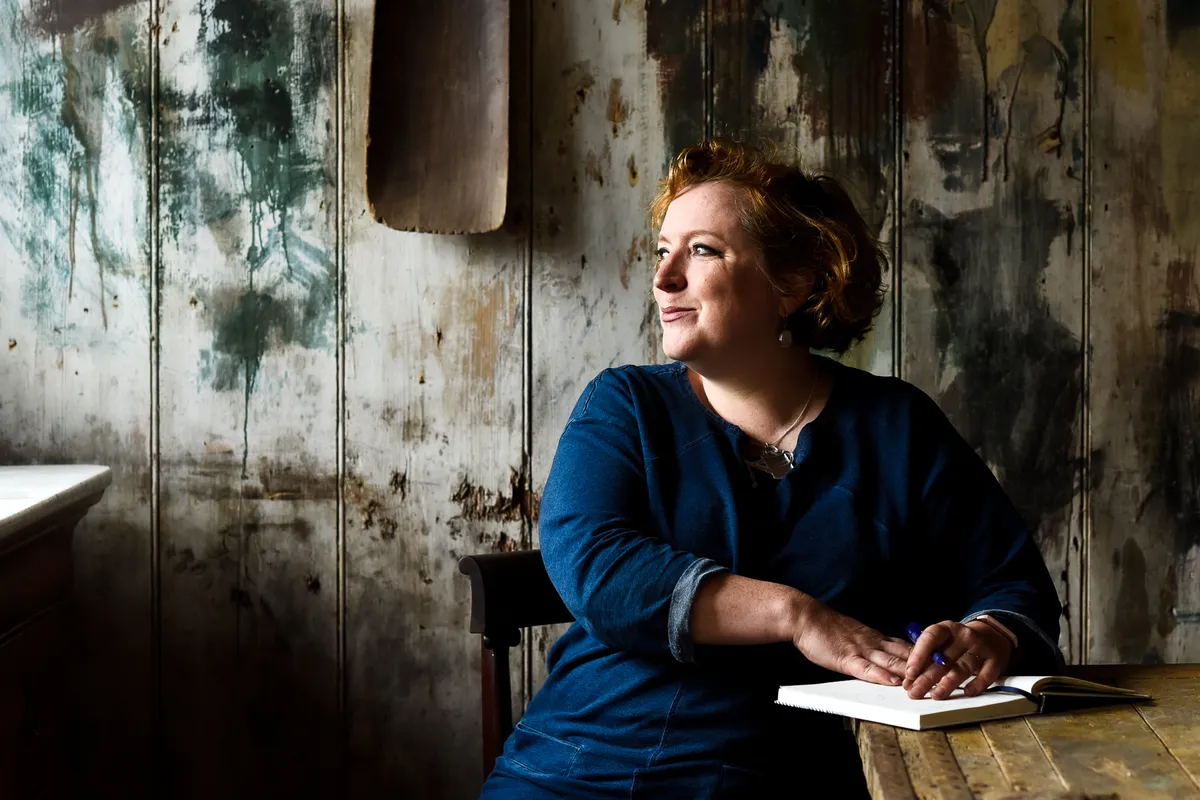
x=636, y=389
x=888, y=400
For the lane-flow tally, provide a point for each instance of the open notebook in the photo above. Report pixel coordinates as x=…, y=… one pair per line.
x=1012, y=696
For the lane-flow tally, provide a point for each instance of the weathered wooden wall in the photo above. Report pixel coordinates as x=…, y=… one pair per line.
x=993, y=236
x=311, y=417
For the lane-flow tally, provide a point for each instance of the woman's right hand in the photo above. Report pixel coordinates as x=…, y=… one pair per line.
x=845, y=645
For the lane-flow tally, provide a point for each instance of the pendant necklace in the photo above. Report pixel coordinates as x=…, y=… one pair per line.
x=773, y=461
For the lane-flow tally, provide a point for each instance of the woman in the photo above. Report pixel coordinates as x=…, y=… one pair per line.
x=754, y=515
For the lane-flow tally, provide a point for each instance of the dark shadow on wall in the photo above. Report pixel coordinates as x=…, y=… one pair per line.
x=1016, y=394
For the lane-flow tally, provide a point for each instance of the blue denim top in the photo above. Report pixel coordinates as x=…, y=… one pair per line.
x=888, y=517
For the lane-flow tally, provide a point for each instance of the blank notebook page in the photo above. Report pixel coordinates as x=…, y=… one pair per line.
x=892, y=706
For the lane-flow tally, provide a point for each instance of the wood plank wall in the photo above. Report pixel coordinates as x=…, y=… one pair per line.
x=311, y=417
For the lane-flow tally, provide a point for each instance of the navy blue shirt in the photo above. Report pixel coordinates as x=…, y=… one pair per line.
x=888, y=517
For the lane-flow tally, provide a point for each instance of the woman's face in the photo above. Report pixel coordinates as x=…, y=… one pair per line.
x=716, y=306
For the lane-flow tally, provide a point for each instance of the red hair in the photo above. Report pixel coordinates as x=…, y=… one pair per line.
x=810, y=233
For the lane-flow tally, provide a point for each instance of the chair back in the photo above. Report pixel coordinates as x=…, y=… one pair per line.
x=509, y=592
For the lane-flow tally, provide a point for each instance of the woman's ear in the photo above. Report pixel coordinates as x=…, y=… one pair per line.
x=791, y=303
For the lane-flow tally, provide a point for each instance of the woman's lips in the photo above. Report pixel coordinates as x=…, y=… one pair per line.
x=672, y=313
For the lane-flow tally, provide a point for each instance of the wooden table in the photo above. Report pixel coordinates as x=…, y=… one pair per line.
x=39, y=507
x=1142, y=750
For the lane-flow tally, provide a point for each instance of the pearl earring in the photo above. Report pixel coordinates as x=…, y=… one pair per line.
x=785, y=338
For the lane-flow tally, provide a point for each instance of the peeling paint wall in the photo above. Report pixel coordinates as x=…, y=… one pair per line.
x=311, y=417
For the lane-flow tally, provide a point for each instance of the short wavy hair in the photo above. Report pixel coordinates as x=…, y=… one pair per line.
x=809, y=231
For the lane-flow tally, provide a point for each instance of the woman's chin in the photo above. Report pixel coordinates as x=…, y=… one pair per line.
x=676, y=351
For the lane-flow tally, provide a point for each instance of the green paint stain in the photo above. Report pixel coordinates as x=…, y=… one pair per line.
x=268, y=62
x=62, y=91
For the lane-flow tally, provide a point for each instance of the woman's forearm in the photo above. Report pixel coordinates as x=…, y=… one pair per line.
x=734, y=609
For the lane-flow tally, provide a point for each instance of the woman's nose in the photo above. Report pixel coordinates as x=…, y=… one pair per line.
x=669, y=277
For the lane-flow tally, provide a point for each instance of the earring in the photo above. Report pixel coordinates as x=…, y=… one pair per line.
x=785, y=338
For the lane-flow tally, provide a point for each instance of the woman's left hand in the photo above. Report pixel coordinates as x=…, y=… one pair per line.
x=973, y=649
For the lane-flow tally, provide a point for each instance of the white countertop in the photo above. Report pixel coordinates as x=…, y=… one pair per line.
x=28, y=494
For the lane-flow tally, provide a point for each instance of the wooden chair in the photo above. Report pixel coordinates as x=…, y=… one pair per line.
x=509, y=591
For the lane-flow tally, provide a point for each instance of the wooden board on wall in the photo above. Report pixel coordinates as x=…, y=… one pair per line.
x=1144, y=554
x=618, y=89
x=992, y=204
x=818, y=80
x=248, y=383
x=434, y=459
x=75, y=332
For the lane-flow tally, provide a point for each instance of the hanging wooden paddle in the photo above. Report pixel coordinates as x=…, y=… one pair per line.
x=437, y=155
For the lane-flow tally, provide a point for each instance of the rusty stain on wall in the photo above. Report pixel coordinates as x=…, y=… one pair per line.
x=618, y=109
x=840, y=61
x=595, y=165
x=637, y=254
x=931, y=60
x=64, y=16
x=675, y=39
x=472, y=352
x=479, y=504
x=616, y=9
x=377, y=508
x=578, y=79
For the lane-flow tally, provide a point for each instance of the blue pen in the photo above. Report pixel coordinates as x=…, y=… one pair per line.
x=914, y=632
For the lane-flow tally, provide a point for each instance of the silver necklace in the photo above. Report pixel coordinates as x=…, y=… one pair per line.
x=773, y=461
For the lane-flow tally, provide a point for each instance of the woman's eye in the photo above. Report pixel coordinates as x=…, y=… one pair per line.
x=703, y=249
x=660, y=254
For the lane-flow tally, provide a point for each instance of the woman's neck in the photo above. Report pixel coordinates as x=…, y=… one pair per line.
x=765, y=399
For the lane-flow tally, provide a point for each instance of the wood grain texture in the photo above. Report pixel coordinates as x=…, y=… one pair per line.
x=1142, y=750
x=1022, y=759
x=883, y=762
x=75, y=336
x=1173, y=717
x=978, y=763
x=247, y=394
x=434, y=464
x=1110, y=751
x=992, y=258
x=931, y=766
x=818, y=80
x=438, y=138
x=602, y=135
x=1145, y=544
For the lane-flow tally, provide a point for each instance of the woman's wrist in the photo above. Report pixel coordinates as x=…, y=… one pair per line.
x=795, y=614
x=981, y=627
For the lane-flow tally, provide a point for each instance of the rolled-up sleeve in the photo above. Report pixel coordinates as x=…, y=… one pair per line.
x=679, y=630
x=627, y=587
